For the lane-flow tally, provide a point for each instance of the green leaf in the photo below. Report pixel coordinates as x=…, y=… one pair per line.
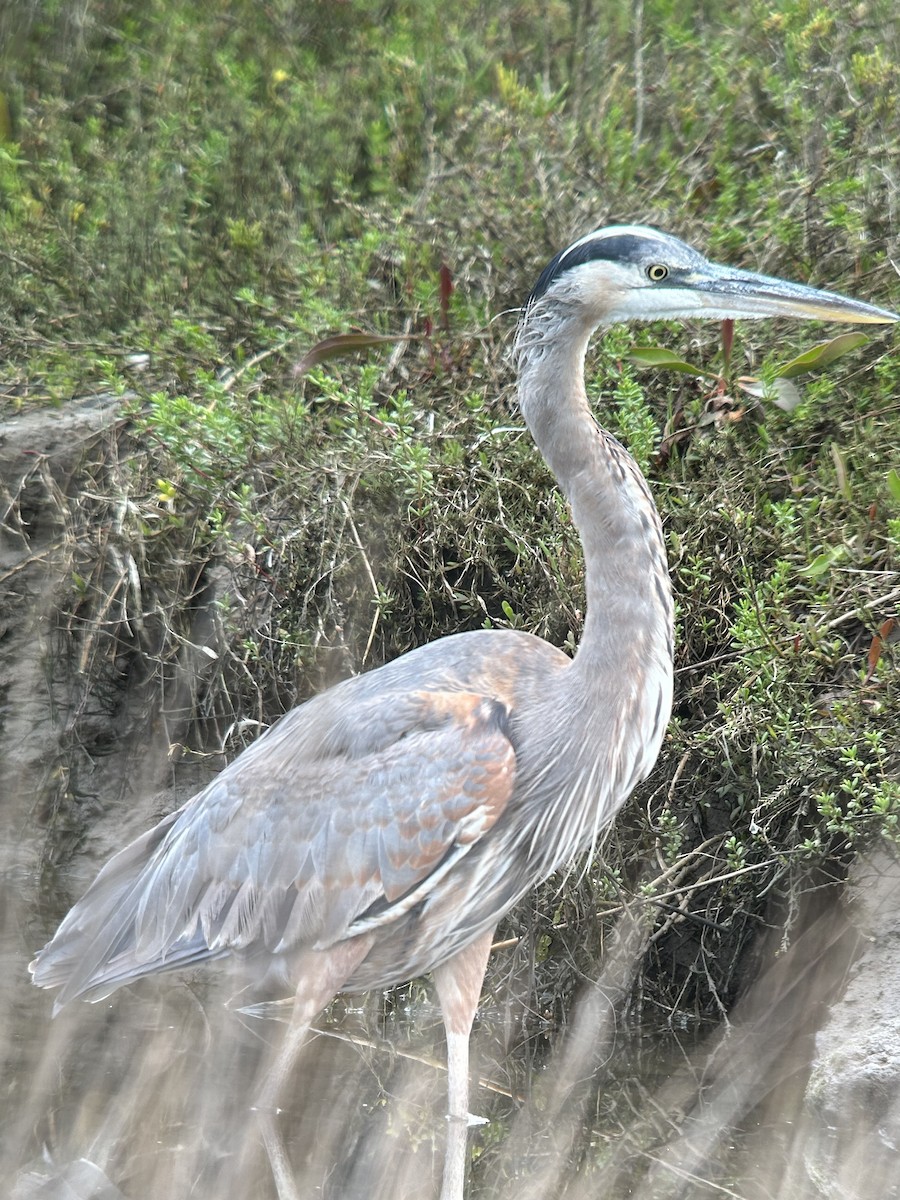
x=893, y=482
x=821, y=355
x=780, y=391
x=665, y=360
x=822, y=562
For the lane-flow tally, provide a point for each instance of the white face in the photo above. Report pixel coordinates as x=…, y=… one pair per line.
x=613, y=292
x=616, y=292
x=658, y=277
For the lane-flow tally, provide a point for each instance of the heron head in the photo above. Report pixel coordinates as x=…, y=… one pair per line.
x=633, y=272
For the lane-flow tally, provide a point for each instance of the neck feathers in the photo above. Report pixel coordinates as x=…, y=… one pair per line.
x=614, y=701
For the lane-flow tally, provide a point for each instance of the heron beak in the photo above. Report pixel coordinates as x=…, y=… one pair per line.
x=747, y=294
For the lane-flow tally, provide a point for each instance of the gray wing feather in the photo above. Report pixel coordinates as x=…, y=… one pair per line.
x=340, y=820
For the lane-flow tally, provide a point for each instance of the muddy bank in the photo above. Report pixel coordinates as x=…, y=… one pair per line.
x=853, y=1095
x=75, y=741
x=40, y=454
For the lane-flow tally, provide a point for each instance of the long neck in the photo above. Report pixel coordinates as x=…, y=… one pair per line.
x=614, y=702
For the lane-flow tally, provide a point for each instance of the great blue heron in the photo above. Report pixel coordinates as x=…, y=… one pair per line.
x=381, y=830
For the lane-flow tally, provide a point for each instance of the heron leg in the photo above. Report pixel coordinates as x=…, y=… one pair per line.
x=459, y=982
x=322, y=975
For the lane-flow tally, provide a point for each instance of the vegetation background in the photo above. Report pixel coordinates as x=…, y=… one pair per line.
x=192, y=196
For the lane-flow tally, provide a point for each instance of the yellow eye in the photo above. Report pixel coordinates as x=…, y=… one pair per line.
x=657, y=271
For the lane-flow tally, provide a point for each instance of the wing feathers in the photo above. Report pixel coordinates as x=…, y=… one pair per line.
x=327, y=836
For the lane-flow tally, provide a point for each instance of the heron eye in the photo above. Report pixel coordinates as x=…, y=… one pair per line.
x=657, y=271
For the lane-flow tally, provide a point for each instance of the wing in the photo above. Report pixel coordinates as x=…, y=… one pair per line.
x=321, y=830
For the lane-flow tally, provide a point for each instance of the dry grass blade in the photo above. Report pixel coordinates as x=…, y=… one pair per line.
x=342, y=344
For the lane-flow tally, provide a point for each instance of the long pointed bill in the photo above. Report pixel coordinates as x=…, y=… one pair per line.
x=746, y=294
